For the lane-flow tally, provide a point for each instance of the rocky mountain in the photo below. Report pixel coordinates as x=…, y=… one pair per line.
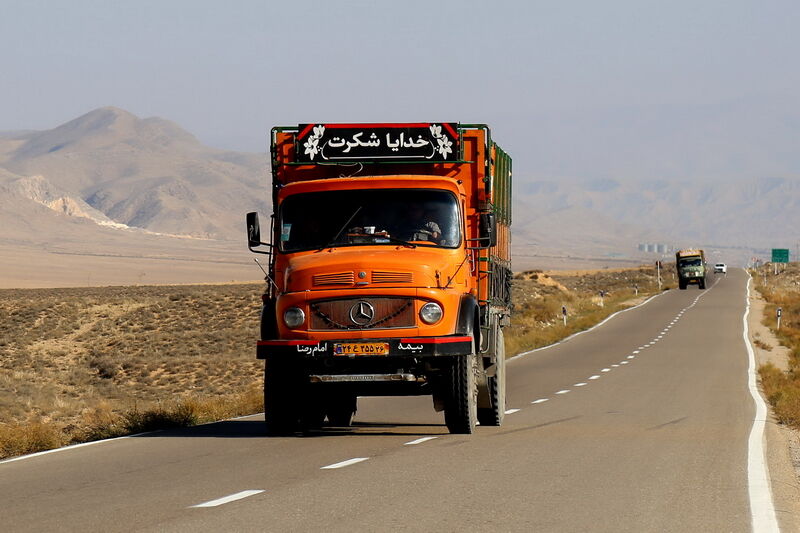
x=143, y=173
x=747, y=212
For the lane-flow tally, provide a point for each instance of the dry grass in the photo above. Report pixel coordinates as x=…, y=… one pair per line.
x=782, y=388
x=539, y=297
x=79, y=364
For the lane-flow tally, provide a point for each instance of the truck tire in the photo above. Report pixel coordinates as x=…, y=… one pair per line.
x=461, y=408
x=342, y=409
x=312, y=413
x=702, y=285
x=493, y=416
x=281, y=397
x=682, y=285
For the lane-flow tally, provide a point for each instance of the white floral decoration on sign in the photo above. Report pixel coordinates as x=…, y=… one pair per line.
x=312, y=144
x=445, y=145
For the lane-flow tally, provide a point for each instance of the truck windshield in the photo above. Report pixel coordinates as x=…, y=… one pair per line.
x=420, y=217
x=690, y=262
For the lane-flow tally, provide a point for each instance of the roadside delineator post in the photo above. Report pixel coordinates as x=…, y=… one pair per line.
x=658, y=274
x=564, y=314
x=778, y=313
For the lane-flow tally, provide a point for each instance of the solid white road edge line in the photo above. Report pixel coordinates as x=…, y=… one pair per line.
x=419, y=441
x=71, y=447
x=228, y=499
x=84, y=444
x=762, y=508
x=345, y=463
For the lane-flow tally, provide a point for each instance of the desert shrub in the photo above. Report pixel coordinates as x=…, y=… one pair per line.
x=30, y=437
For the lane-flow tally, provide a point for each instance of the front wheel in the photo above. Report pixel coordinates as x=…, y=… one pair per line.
x=281, y=396
x=461, y=408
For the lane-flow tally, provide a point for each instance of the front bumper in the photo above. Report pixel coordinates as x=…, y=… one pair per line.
x=402, y=347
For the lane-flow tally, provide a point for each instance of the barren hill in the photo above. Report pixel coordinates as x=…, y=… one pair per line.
x=146, y=173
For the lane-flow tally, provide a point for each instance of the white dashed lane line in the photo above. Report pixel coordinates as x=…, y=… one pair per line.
x=228, y=499
x=345, y=463
x=511, y=411
x=418, y=441
x=627, y=360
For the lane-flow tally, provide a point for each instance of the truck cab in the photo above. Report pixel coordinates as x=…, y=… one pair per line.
x=389, y=272
x=691, y=268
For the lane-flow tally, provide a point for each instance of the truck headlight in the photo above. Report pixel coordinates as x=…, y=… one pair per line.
x=430, y=313
x=294, y=317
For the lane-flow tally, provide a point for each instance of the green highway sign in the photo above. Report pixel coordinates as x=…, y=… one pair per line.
x=780, y=255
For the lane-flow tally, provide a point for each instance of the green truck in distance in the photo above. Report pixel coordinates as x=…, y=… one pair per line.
x=692, y=268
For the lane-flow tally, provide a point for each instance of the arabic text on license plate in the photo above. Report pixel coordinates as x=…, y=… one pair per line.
x=361, y=348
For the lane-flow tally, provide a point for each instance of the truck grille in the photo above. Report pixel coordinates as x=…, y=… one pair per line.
x=362, y=313
x=334, y=278
x=391, y=277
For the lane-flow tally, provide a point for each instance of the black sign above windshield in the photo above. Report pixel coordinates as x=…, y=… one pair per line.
x=424, y=142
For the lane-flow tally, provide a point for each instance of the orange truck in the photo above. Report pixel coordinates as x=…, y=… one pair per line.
x=389, y=272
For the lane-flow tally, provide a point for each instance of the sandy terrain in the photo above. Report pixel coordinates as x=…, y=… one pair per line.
x=28, y=267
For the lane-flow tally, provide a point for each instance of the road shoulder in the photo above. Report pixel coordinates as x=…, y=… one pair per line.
x=783, y=443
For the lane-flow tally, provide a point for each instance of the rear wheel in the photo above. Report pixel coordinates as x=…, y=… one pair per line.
x=461, y=408
x=342, y=409
x=682, y=285
x=493, y=416
x=702, y=284
x=282, y=386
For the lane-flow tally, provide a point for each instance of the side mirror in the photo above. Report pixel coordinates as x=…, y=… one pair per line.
x=253, y=230
x=488, y=229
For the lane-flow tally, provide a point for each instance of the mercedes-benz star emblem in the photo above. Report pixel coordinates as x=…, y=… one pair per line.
x=362, y=313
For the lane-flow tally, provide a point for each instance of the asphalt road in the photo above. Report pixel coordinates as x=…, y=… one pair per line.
x=641, y=424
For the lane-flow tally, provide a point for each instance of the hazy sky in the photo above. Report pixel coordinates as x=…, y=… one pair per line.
x=581, y=89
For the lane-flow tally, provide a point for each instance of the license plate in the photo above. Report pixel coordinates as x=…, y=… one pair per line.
x=361, y=348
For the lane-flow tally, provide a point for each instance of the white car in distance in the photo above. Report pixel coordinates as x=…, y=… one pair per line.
x=720, y=268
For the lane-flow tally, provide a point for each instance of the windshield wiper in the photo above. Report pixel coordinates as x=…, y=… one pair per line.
x=399, y=241
x=338, y=233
